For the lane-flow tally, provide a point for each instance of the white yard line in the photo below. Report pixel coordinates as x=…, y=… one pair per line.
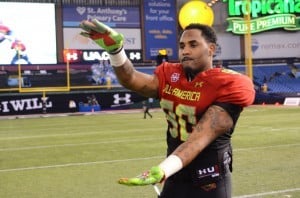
x=268, y=193
x=150, y=158
x=139, y=159
x=78, y=164
x=265, y=147
x=140, y=139
x=77, y=134
x=115, y=161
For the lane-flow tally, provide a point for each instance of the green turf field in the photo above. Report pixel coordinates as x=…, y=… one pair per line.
x=84, y=156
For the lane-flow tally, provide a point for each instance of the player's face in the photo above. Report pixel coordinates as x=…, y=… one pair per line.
x=194, y=51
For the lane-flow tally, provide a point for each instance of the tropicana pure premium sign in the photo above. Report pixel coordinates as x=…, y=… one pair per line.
x=264, y=15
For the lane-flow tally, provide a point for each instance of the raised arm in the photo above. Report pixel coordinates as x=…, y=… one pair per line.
x=112, y=42
x=142, y=83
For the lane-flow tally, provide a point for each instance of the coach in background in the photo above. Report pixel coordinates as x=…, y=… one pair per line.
x=202, y=105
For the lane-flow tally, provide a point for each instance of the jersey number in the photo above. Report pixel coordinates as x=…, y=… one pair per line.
x=178, y=118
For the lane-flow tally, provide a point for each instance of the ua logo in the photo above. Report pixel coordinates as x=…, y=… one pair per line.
x=72, y=56
x=118, y=99
x=136, y=56
x=198, y=84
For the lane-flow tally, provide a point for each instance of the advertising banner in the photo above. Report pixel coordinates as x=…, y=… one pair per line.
x=277, y=44
x=160, y=28
x=73, y=39
x=262, y=15
x=117, y=17
x=21, y=104
x=94, y=56
x=27, y=33
x=228, y=47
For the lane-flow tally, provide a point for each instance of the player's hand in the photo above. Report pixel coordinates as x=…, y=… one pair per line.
x=153, y=176
x=104, y=36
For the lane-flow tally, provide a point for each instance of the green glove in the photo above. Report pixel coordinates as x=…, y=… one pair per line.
x=153, y=176
x=104, y=36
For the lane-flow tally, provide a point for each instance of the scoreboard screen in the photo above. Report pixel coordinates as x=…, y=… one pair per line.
x=27, y=33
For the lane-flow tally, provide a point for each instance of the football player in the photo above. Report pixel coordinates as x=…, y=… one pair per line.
x=20, y=54
x=5, y=32
x=202, y=105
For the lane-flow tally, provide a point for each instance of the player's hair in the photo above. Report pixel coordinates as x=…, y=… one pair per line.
x=207, y=32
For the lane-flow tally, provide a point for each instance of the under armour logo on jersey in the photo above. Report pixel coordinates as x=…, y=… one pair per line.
x=175, y=77
x=198, y=84
x=125, y=99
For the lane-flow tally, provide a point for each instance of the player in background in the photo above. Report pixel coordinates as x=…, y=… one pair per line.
x=6, y=38
x=201, y=103
x=20, y=50
x=146, y=109
x=5, y=32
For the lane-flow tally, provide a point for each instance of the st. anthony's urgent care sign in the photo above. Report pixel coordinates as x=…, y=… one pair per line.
x=265, y=15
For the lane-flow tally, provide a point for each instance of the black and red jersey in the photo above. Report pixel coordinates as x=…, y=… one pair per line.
x=185, y=101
